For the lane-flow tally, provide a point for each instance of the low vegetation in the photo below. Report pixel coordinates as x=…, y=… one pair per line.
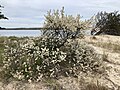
x=106, y=44
x=32, y=59
x=2, y=46
x=95, y=87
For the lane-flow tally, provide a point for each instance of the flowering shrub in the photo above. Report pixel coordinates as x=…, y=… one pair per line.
x=34, y=58
x=58, y=24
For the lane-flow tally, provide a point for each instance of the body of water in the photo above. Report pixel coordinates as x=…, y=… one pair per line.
x=20, y=33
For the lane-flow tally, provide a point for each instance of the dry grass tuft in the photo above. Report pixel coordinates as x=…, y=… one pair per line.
x=95, y=87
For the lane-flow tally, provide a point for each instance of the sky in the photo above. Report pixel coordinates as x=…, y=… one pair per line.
x=30, y=13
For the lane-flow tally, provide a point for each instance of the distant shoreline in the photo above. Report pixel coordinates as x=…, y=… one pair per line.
x=22, y=28
x=20, y=33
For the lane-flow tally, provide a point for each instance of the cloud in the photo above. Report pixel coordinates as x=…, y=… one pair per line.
x=26, y=13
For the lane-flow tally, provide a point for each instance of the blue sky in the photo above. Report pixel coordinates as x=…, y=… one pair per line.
x=30, y=13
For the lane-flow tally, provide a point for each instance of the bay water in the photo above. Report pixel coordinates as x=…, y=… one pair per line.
x=20, y=33
x=24, y=33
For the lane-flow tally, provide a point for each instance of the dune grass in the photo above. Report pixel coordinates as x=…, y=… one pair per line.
x=95, y=87
x=107, y=45
x=1, y=48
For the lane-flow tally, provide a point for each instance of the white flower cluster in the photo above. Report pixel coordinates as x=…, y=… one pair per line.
x=59, y=24
x=32, y=59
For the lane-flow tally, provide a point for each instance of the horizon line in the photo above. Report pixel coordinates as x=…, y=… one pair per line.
x=23, y=28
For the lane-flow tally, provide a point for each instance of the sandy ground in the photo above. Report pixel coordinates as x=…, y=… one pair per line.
x=113, y=58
